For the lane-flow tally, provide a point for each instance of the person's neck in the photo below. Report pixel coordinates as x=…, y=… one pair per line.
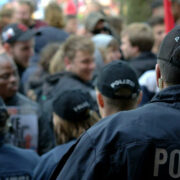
x=135, y=55
x=108, y=112
x=155, y=49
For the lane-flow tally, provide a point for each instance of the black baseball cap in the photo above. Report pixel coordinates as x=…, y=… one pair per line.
x=73, y=105
x=170, y=47
x=116, y=76
x=16, y=32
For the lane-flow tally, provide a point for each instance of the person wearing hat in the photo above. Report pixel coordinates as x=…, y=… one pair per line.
x=138, y=144
x=117, y=88
x=73, y=114
x=16, y=163
x=95, y=23
x=17, y=40
x=46, y=35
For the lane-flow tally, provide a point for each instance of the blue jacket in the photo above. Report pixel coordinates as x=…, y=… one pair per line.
x=49, y=161
x=141, y=144
x=16, y=163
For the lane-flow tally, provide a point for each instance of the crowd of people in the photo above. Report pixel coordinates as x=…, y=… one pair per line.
x=91, y=99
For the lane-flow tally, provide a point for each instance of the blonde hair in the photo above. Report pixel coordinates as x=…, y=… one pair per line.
x=47, y=54
x=54, y=15
x=6, y=15
x=57, y=63
x=77, y=43
x=66, y=130
x=68, y=49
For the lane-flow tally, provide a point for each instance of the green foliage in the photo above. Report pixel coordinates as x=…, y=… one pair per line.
x=138, y=10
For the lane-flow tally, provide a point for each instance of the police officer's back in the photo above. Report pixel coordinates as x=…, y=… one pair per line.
x=141, y=144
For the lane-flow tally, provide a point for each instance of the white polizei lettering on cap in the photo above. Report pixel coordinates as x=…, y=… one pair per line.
x=177, y=38
x=159, y=161
x=81, y=106
x=123, y=82
x=175, y=153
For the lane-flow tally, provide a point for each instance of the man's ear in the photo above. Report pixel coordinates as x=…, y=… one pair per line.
x=158, y=74
x=100, y=99
x=139, y=98
x=7, y=48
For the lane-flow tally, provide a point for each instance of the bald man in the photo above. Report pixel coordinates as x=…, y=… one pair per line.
x=9, y=81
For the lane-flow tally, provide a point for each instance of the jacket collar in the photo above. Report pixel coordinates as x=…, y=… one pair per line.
x=170, y=94
x=74, y=76
x=145, y=55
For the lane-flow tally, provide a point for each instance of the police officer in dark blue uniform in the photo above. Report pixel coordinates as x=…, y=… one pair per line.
x=15, y=163
x=140, y=144
x=73, y=113
x=119, y=91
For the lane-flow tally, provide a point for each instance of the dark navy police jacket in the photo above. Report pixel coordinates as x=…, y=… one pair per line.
x=141, y=144
x=16, y=163
x=49, y=161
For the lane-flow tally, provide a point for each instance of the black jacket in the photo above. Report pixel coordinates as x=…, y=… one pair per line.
x=141, y=144
x=17, y=163
x=71, y=81
x=60, y=82
x=144, y=62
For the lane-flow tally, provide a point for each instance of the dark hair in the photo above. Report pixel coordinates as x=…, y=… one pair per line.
x=178, y=1
x=121, y=104
x=156, y=4
x=169, y=72
x=157, y=20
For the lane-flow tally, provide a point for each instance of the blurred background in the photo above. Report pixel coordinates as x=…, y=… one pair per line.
x=131, y=10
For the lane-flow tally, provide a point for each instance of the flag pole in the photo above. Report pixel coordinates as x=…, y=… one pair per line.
x=168, y=16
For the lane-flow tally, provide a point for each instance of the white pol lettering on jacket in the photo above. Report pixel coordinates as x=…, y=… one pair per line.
x=162, y=157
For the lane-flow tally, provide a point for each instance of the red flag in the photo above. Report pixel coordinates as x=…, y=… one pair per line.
x=71, y=8
x=168, y=16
